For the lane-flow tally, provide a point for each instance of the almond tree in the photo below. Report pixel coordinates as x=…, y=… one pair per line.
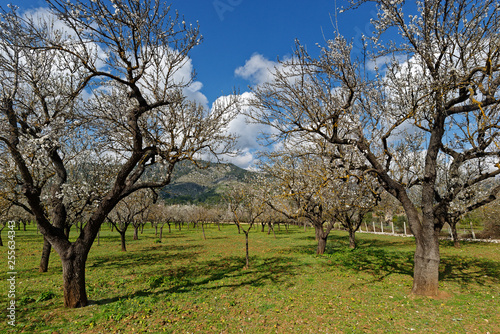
x=247, y=206
x=119, y=92
x=301, y=185
x=131, y=210
x=436, y=98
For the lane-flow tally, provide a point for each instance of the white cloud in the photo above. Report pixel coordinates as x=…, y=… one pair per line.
x=257, y=69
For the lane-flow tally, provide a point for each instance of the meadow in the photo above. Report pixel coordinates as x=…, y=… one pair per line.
x=185, y=284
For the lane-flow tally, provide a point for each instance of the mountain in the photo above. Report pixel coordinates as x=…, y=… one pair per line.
x=191, y=184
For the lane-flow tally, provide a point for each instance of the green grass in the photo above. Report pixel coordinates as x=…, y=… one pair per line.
x=189, y=285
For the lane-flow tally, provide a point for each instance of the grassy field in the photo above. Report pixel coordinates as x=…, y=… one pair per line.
x=189, y=285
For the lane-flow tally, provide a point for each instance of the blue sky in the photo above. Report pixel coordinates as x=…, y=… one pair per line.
x=254, y=33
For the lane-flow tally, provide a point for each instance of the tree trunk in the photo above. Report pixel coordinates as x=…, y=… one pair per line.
x=161, y=231
x=74, y=280
x=426, y=267
x=321, y=237
x=44, y=261
x=136, y=232
x=352, y=238
x=247, y=257
x=122, y=239
x=203, y=229
x=321, y=244
x=169, y=228
x=454, y=235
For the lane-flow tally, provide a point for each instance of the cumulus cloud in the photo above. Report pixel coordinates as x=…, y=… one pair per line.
x=247, y=134
x=257, y=69
x=183, y=74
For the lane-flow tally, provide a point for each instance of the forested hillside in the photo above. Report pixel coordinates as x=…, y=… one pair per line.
x=190, y=184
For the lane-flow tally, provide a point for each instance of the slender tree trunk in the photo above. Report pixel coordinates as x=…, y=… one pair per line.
x=454, y=235
x=203, y=229
x=156, y=229
x=44, y=261
x=161, y=231
x=136, y=232
x=122, y=240
x=247, y=257
x=73, y=267
x=169, y=228
x=218, y=225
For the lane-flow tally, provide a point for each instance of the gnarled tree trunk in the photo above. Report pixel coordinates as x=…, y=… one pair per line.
x=426, y=267
x=73, y=266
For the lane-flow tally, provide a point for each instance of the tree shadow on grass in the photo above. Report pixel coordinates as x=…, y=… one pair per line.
x=226, y=272
x=382, y=258
x=150, y=256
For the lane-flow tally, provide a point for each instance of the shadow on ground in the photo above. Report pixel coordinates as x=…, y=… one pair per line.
x=382, y=258
x=226, y=272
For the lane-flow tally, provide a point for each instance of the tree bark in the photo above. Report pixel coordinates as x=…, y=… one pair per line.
x=321, y=244
x=454, y=234
x=44, y=261
x=426, y=267
x=122, y=239
x=1, y=229
x=321, y=237
x=352, y=238
x=203, y=229
x=161, y=231
x=67, y=230
x=136, y=232
x=73, y=267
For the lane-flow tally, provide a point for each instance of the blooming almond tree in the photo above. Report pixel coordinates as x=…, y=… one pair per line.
x=106, y=81
x=301, y=186
x=436, y=99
